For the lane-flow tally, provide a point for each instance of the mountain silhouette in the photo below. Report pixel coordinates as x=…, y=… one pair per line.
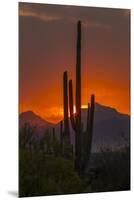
x=34, y=120
x=111, y=128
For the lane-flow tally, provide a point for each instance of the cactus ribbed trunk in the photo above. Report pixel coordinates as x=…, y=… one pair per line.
x=65, y=102
x=91, y=120
x=88, y=117
x=78, y=100
x=78, y=73
x=71, y=104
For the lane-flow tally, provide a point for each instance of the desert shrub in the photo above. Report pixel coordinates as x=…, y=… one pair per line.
x=114, y=171
x=41, y=174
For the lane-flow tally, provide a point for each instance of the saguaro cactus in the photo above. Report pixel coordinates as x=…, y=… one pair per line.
x=90, y=120
x=80, y=160
x=71, y=104
x=78, y=100
x=65, y=101
x=88, y=135
x=83, y=139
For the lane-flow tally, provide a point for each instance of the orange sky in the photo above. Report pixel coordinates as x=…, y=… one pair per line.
x=47, y=41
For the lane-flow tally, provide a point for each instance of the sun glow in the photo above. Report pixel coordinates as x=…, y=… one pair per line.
x=74, y=109
x=84, y=106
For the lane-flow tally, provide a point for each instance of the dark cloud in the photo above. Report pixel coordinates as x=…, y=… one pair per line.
x=94, y=16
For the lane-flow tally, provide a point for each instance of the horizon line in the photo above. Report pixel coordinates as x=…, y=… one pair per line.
x=83, y=107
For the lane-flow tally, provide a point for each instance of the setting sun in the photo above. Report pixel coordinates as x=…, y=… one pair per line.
x=74, y=109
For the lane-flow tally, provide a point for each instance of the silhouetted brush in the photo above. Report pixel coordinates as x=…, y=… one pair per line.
x=61, y=136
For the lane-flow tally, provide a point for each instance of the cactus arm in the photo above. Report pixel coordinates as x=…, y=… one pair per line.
x=88, y=116
x=71, y=104
x=91, y=120
x=89, y=133
x=65, y=102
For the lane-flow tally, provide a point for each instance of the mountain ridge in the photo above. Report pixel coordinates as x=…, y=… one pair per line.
x=97, y=107
x=110, y=126
x=32, y=118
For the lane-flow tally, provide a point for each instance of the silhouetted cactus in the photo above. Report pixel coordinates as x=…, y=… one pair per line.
x=91, y=120
x=71, y=105
x=83, y=139
x=87, y=141
x=78, y=100
x=65, y=101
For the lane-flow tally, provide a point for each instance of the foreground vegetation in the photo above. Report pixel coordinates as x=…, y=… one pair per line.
x=43, y=170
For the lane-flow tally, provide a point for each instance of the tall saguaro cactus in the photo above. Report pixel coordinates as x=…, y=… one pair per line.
x=83, y=140
x=78, y=99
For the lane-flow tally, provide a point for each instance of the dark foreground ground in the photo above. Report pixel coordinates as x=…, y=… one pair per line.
x=42, y=174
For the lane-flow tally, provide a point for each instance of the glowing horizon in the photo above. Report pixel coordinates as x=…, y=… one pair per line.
x=47, y=48
x=50, y=117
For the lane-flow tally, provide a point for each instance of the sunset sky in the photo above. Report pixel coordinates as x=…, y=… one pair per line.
x=47, y=47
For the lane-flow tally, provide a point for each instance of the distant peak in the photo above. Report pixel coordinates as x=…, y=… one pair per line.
x=33, y=118
x=29, y=112
x=101, y=106
x=98, y=104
